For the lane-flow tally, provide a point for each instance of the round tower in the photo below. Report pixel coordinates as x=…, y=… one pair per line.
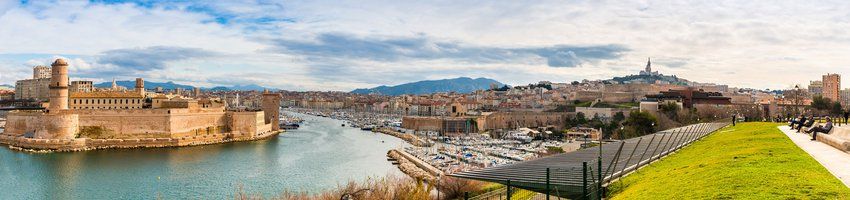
x=59, y=122
x=140, y=86
x=59, y=85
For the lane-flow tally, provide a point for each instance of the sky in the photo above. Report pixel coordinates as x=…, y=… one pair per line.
x=344, y=45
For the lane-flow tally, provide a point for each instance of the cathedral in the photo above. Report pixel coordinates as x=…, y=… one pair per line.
x=648, y=71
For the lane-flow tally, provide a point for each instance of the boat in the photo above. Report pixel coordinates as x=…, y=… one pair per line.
x=290, y=126
x=367, y=127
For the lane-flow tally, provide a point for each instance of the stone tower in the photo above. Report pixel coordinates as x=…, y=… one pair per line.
x=271, y=109
x=59, y=85
x=648, y=66
x=140, y=86
x=58, y=122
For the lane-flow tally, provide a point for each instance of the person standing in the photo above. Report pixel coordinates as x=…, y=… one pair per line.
x=846, y=115
x=734, y=119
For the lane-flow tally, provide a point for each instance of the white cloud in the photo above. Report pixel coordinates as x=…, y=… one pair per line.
x=741, y=43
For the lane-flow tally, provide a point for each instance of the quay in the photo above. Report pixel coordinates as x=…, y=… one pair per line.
x=414, y=167
x=410, y=138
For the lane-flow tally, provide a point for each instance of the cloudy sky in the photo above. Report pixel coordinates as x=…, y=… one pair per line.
x=342, y=45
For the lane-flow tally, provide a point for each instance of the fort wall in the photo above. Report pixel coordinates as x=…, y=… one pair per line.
x=73, y=130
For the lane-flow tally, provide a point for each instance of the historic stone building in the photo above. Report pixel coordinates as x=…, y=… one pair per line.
x=40, y=71
x=32, y=89
x=110, y=99
x=81, y=86
x=35, y=88
x=75, y=123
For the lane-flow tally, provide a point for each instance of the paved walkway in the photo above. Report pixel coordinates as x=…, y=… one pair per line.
x=834, y=160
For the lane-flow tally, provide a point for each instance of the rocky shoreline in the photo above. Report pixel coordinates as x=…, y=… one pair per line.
x=414, y=167
x=87, y=144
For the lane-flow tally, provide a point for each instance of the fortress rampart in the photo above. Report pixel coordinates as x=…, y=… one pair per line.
x=62, y=129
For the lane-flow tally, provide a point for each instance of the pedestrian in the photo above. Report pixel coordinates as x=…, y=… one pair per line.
x=846, y=115
x=734, y=120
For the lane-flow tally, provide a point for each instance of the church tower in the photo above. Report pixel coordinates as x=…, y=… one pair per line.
x=648, y=66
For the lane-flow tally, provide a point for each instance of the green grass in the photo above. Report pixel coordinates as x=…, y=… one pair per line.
x=520, y=194
x=749, y=161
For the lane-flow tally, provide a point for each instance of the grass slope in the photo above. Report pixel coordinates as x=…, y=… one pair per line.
x=749, y=161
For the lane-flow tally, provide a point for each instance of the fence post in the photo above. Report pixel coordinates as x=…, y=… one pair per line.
x=509, y=190
x=652, y=155
x=599, y=180
x=629, y=159
x=547, y=183
x=584, y=180
x=644, y=151
x=465, y=195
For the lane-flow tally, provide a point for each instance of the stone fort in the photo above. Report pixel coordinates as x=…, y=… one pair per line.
x=181, y=122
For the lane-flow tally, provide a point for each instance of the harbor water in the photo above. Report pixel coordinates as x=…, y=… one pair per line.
x=320, y=155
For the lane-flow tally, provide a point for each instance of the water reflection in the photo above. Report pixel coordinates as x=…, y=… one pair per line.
x=318, y=156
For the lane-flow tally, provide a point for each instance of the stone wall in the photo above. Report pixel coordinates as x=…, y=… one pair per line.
x=421, y=123
x=81, y=144
x=246, y=122
x=42, y=125
x=130, y=128
x=513, y=120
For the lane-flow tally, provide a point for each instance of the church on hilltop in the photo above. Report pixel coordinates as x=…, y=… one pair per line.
x=648, y=71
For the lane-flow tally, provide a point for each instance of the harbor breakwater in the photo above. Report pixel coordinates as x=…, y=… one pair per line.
x=414, y=167
x=410, y=138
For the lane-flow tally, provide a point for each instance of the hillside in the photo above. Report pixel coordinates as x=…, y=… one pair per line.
x=459, y=85
x=748, y=161
x=171, y=85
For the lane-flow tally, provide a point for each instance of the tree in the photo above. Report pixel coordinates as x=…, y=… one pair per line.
x=671, y=110
x=836, y=109
x=619, y=117
x=821, y=103
x=579, y=120
x=641, y=123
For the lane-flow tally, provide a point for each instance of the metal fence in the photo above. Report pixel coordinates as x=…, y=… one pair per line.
x=585, y=174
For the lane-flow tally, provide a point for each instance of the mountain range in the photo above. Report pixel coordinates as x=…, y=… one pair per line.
x=171, y=86
x=459, y=85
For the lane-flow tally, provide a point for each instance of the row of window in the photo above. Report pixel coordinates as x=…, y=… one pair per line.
x=107, y=101
x=104, y=107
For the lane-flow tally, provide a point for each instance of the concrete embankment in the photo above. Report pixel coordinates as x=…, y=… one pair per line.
x=410, y=138
x=83, y=144
x=414, y=167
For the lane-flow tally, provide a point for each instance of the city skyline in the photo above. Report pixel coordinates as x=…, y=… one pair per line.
x=340, y=46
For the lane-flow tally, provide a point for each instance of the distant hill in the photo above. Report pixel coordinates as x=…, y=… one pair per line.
x=171, y=86
x=148, y=85
x=459, y=85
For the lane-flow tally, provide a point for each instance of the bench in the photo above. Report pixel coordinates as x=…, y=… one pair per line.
x=838, y=137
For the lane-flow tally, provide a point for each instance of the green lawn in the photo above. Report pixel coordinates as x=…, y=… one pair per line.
x=749, y=161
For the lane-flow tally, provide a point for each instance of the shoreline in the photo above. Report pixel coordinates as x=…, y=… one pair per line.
x=19, y=143
x=409, y=138
x=414, y=167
